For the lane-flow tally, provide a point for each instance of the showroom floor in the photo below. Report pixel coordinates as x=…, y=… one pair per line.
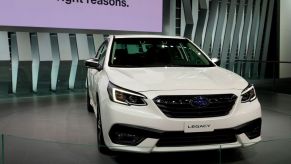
x=58, y=129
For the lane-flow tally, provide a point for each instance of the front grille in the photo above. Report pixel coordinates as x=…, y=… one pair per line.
x=170, y=139
x=197, y=106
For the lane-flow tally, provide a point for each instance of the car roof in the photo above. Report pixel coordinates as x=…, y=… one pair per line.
x=148, y=36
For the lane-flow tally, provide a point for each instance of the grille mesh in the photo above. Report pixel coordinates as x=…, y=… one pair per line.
x=206, y=106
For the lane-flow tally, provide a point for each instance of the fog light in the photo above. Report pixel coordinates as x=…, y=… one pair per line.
x=253, y=133
x=125, y=136
x=251, y=129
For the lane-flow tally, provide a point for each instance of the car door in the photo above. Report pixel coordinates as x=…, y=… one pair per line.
x=94, y=74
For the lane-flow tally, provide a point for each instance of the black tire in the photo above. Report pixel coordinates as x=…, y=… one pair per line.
x=89, y=106
x=103, y=149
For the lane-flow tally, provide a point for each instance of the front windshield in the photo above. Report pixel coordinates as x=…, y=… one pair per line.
x=155, y=52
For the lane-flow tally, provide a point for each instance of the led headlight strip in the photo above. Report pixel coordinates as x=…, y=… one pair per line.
x=124, y=96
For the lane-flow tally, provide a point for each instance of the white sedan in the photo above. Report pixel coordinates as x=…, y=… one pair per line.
x=164, y=94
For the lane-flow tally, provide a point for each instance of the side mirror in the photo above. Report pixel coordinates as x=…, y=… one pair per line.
x=94, y=64
x=216, y=61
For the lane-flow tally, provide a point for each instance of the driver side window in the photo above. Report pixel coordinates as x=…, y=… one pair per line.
x=102, y=53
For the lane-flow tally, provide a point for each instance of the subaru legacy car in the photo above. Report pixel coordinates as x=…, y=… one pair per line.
x=164, y=94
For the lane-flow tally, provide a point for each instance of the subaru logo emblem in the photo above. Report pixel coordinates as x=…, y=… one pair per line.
x=199, y=102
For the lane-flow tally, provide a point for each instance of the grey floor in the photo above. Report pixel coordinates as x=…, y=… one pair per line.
x=57, y=129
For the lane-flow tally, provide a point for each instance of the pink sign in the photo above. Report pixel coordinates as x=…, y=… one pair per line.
x=120, y=15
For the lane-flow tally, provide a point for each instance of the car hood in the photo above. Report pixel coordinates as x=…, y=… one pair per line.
x=174, y=78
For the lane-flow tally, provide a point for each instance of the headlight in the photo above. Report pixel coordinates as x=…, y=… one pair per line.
x=124, y=96
x=248, y=94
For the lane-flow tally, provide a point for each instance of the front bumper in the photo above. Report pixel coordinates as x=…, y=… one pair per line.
x=152, y=127
x=131, y=136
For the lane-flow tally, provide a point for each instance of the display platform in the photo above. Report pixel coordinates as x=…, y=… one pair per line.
x=58, y=129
